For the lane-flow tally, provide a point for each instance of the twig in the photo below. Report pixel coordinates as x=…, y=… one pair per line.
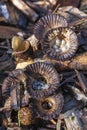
x=7, y=32
x=78, y=22
x=4, y=47
x=82, y=83
x=67, y=80
x=35, y=7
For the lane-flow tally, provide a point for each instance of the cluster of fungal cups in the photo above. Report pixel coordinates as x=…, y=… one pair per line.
x=58, y=41
x=37, y=85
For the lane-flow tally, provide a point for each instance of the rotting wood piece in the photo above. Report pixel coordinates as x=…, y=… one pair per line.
x=7, y=65
x=31, y=14
x=78, y=62
x=7, y=32
x=70, y=120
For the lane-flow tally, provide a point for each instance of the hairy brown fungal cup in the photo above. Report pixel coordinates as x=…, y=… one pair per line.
x=20, y=48
x=60, y=43
x=42, y=80
x=47, y=23
x=49, y=107
x=25, y=116
x=57, y=40
x=13, y=77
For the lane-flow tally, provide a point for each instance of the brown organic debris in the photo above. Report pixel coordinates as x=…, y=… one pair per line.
x=32, y=15
x=8, y=32
x=43, y=65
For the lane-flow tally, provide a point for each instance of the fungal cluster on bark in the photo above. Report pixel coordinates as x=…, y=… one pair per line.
x=34, y=92
x=33, y=87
